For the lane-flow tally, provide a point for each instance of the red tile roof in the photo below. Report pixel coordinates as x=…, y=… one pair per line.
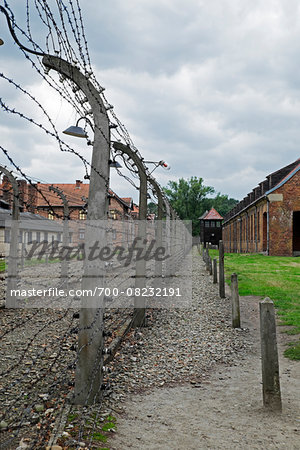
x=127, y=200
x=76, y=194
x=213, y=215
x=73, y=192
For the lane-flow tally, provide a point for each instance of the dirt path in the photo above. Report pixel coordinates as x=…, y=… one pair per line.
x=224, y=412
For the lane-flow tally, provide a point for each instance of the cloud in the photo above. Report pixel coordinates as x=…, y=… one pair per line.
x=211, y=87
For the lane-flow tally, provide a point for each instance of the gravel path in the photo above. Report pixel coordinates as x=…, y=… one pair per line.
x=171, y=383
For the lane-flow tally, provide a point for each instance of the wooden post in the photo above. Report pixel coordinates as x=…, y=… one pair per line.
x=207, y=259
x=235, y=301
x=215, y=271
x=221, y=270
x=269, y=356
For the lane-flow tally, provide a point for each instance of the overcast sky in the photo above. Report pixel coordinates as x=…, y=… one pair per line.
x=212, y=87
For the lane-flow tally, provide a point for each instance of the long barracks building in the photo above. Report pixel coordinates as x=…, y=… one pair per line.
x=268, y=219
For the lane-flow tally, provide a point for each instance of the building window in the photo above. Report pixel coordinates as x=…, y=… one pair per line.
x=50, y=215
x=20, y=237
x=218, y=224
x=81, y=233
x=82, y=215
x=38, y=236
x=46, y=236
x=207, y=224
x=114, y=234
x=29, y=237
x=113, y=214
x=59, y=237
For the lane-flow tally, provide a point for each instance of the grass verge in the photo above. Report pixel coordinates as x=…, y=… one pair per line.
x=270, y=276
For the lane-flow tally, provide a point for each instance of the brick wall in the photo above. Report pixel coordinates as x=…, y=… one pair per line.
x=247, y=232
x=282, y=205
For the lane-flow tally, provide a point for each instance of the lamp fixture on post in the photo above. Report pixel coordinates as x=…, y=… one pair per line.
x=1, y=41
x=164, y=165
x=75, y=130
x=161, y=163
x=113, y=164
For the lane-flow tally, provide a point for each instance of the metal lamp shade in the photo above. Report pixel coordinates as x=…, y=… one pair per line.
x=115, y=164
x=76, y=131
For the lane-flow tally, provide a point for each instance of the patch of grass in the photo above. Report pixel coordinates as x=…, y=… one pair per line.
x=293, y=352
x=72, y=417
x=2, y=265
x=108, y=426
x=34, y=262
x=97, y=436
x=214, y=254
x=96, y=429
x=269, y=276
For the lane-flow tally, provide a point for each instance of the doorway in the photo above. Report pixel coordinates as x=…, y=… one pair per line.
x=265, y=232
x=296, y=233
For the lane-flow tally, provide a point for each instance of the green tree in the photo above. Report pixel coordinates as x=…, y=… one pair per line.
x=221, y=203
x=187, y=198
x=152, y=208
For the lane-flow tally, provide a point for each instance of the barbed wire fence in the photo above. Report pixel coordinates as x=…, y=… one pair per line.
x=40, y=345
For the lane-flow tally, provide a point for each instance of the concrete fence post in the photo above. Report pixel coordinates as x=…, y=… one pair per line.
x=12, y=257
x=235, y=301
x=89, y=365
x=269, y=356
x=140, y=269
x=221, y=270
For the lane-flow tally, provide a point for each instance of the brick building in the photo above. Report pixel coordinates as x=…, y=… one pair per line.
x=211, y=227
x=268, y=219
x=39, y=200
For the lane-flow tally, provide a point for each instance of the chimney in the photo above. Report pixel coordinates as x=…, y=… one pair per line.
x=23, y=192
x=32, y=198
x=78, y=183
x=7, y=190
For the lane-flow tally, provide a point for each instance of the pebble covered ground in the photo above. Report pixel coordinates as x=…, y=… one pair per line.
x=176, y=346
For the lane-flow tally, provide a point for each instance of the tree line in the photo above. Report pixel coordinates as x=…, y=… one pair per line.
x=190, y=198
